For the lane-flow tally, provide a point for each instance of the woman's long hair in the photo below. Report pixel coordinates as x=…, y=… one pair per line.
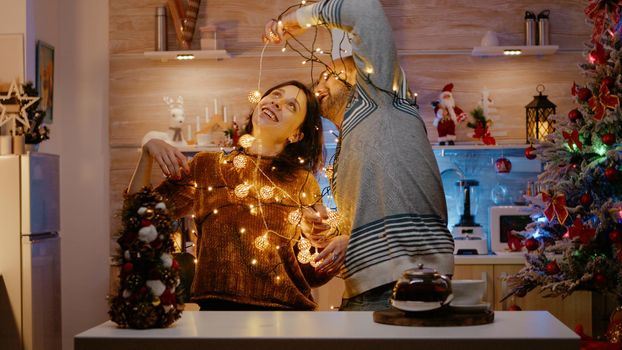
x=310, y=148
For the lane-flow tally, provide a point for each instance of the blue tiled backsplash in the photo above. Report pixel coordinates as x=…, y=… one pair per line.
x=477, y=163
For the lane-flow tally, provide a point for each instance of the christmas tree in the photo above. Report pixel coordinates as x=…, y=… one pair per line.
x=575, y=239
x=149, y=294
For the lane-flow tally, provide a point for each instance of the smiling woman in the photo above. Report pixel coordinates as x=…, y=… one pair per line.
x=247, y=205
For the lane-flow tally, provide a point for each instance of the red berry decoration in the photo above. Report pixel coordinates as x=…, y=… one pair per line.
x=609, y=82
x=600, y=279
x=552, y=268
x=145, y=222
x=612, y=174
x=128, y=267
x=608, y=139
x=615, y=236
x=530, y=152
x=586, y=199
x=532, y=244
x=584, y=94
x=514, y=307
x=503, y=165
x=574, y=115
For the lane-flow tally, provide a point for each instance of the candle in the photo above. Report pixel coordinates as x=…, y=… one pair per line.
x=189, y=132
x=206, y=114
x=215, y=106
x=224, y=113
x=198, y=124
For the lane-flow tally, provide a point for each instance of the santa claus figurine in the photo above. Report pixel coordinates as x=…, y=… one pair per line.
x=446, y=115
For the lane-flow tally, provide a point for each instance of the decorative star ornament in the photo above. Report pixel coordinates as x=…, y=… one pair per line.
x=23, y=103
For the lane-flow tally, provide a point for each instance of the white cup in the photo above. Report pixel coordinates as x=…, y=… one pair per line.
x=203, y=139
x=468, y=292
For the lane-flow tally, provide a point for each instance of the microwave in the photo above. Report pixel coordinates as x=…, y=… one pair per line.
x=504, y=220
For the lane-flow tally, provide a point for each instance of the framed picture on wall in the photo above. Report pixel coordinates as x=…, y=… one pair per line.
x=45, y=79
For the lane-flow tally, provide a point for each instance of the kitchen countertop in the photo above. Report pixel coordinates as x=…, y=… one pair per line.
x=300, y=330
x=498, y=259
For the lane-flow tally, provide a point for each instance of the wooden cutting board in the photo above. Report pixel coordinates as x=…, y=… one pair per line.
x=445, y=317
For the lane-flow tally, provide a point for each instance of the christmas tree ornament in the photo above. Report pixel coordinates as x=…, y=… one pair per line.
x=128, y=267
x=254, y=97
x=552, y=268
x=556, y=207
x=586, y=199
x=574, y=115
x=503, y=165
x=304, y=244
x=530, y=152
x=514, y=307
x=304, y=256
x=584, y=94
x=573, y=139
x=603, y=101
x=615, y=236
x=612, y=174
x=600, y=279
x=608, y=139
x=532, y=244
x=583, y=232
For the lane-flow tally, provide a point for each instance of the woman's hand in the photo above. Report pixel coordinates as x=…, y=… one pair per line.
x=333, y=256
x=313, y=227
x=169, y=158
x=276, y=31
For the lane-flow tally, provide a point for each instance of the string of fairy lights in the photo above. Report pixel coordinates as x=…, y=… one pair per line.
x=267, y=194
x=264, y=194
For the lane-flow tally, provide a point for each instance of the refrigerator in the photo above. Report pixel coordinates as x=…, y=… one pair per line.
x=30, y=299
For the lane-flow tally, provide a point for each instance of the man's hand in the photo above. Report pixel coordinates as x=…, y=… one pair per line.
x=313, y=226
x=333, y=256
x=277, y=31
x=169, y=158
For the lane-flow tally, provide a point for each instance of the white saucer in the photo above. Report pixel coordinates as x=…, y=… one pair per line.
x=471, y=307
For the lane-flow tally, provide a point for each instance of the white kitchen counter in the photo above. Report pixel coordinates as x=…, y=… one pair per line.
x=499, y=259
x=272, y=330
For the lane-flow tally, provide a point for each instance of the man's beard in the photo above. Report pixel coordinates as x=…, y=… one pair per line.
x=335, y=103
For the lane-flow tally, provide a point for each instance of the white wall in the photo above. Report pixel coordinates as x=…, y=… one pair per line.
x=78, y=29
x=81, y=126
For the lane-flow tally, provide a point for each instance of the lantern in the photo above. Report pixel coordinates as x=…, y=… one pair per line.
x=538, y=112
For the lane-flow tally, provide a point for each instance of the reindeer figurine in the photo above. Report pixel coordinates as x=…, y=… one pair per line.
x=174, y=135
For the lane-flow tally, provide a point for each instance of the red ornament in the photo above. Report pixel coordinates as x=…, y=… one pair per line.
x=615, y=236
x=552, y=268
x=612, y=174
x=586, y=199
x=530, y=152
x=145, y=223
x=128, y=267
x=609, y=81
x=532, y=244
x=574, y=115
x=608, y=139
x=600, y=279
x=167, y=298
x=584, y=94
x=585, y=233
x=503, y=165
x=514, y=307
x=175, y=265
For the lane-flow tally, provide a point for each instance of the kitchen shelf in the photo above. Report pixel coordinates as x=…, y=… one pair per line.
x=533, y=50
x=197, y=54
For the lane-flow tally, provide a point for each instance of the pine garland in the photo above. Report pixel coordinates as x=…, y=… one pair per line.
x=149, y=295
